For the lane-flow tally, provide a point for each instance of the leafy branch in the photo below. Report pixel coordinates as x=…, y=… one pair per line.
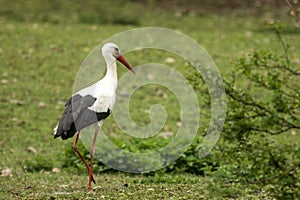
x=272, y=98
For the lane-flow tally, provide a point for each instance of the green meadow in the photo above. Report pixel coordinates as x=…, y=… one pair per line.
x=42, y=45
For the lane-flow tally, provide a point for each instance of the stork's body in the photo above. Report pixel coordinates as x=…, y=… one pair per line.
x=84, y=110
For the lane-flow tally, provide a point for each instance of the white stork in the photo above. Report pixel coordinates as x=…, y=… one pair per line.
x=84, y=110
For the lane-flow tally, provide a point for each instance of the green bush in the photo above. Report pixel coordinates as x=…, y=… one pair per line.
x=263, y=102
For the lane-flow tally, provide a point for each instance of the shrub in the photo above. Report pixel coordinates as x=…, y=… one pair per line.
x=263, y=110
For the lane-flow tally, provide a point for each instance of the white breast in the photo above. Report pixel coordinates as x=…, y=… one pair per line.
x=106, y=97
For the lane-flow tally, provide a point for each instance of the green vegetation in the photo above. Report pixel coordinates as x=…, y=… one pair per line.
x=257, y=156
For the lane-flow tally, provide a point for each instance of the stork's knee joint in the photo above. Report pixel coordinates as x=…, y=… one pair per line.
x=75, y=148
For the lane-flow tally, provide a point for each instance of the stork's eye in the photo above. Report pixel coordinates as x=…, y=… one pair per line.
x=117, y=50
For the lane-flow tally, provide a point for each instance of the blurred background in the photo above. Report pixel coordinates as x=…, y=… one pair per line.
x=255, y=45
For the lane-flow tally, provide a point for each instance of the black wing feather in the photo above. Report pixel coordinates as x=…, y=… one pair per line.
x=74, y=98
x=74, y=109
x=77, y=116
x=88, y=117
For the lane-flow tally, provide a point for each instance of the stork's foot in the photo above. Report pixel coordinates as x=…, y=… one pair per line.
x=89, y=187
x=91, y=178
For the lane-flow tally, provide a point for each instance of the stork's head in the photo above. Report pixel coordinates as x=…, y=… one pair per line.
x=112, y=50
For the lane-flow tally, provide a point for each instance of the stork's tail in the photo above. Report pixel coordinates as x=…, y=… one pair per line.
x=55, y=131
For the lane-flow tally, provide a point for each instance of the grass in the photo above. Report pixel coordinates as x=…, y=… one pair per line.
x=48, y=185
x=39, y=61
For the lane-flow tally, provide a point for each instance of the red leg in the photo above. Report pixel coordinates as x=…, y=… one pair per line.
x=82, y=158
x=92, y=156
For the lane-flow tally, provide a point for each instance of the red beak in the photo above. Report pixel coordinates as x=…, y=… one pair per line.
x=123, y=60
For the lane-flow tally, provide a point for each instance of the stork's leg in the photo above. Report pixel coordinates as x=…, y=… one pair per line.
x=82, y=158
x=92, y=156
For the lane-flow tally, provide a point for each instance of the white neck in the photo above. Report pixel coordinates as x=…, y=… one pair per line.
x=111, y=74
